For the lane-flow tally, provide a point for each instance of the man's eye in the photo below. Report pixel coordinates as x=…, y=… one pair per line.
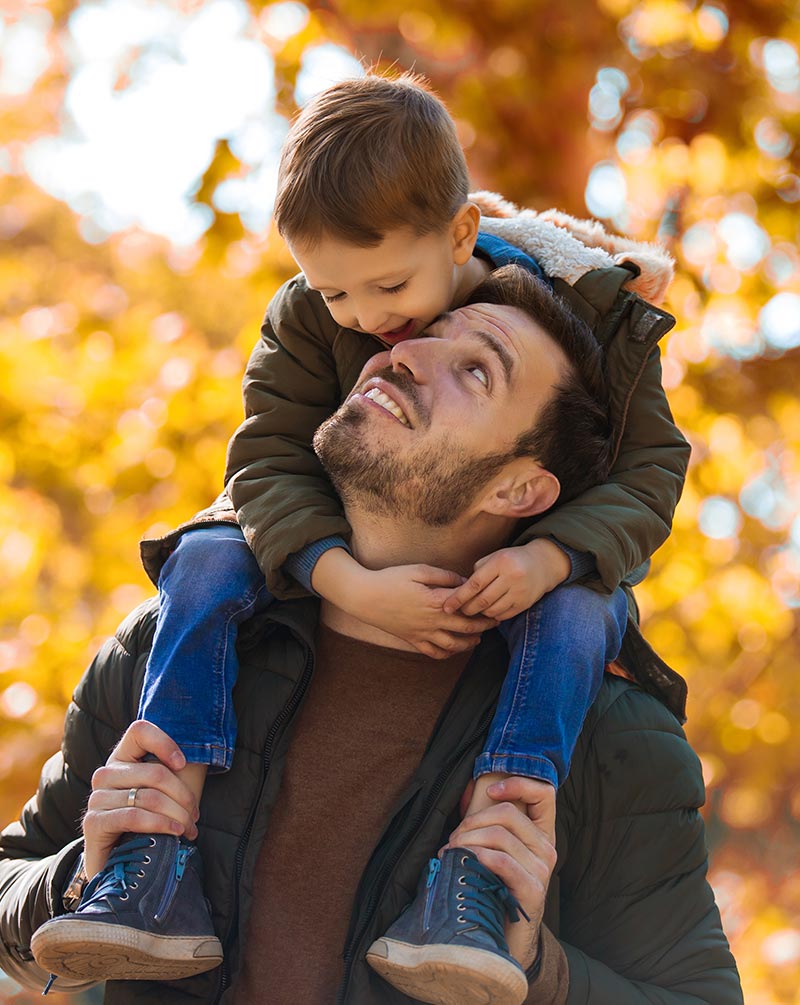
x=394, y=289
x=480, y=374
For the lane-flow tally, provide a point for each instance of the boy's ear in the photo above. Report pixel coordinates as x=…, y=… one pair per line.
x=464, y=230
x=523, y=489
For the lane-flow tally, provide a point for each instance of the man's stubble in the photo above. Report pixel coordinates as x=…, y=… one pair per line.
x=432, y=485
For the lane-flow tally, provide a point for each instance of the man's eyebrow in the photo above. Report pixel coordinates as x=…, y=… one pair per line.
x=493, y=343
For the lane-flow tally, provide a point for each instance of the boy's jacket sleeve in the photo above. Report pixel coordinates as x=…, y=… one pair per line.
x=281, y=494
x=624, y=520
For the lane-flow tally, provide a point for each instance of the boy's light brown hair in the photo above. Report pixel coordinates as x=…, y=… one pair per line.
x=367, y=156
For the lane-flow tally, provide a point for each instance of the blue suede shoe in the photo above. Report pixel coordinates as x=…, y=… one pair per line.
x=448, y=946
x=142, y=917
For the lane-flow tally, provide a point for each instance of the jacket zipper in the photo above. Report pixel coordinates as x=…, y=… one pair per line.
x=434, y=868
x=175, y=876
x=389, y=867
x=286, y=713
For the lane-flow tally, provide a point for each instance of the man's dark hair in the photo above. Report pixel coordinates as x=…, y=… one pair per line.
x=573, y=436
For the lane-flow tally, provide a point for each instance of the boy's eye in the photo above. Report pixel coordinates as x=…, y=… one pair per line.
x=394, y=289
x=480, y=374
x=333, y=299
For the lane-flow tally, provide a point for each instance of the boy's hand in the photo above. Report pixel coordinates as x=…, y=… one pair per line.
x=511, y=580
x=406, y=601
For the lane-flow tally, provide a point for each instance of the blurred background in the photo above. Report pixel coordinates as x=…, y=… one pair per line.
x=137, y=172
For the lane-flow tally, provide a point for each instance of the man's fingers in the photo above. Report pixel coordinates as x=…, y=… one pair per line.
x=508, y=817
x=151, y=801
x=122, y=776
x=539, y=797
x=104, y=827
x=142, y=738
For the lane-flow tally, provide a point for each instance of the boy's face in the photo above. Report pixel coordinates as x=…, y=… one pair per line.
x=393, y=290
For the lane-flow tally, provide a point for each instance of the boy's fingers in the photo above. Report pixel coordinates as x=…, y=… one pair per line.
x=142, y=738
x=466, y=592
x=461, y=624
x=487, y=597
x=502, y=610
x=452, y=642
x=429, y=575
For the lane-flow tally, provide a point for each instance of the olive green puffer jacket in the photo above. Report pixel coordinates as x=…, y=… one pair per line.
x=629, y=900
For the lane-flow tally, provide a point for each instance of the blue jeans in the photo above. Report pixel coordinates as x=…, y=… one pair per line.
x=559, y=649
x=208, y=586
x=212, y=582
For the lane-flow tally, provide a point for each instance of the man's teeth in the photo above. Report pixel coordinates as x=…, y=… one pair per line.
x=376, y=395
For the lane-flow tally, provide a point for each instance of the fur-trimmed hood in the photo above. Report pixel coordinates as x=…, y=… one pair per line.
x=569, y=248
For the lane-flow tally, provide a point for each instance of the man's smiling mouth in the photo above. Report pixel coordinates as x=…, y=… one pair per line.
x=381, y=398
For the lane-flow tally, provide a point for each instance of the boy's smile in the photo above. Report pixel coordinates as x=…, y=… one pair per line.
x=394, y=290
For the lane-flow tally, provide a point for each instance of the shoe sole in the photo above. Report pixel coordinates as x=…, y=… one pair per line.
x=98, y=951
x=448, y=975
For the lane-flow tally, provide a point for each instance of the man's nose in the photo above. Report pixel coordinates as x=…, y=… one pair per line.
x=416, y=356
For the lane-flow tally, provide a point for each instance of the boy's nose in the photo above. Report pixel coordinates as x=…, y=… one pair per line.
x=371, y=320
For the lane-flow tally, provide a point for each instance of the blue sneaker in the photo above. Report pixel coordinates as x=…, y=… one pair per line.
x=448, y=946
x=142, y=917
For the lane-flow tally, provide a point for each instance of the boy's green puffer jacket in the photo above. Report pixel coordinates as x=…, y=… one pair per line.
x=304, y=365
x=629, y=899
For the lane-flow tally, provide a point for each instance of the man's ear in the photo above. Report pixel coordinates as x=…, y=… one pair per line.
x=523, y=489
x=464, y=230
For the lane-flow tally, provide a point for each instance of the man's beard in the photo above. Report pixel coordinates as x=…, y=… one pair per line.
x=433, y=485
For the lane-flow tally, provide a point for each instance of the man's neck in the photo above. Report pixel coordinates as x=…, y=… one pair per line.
x=380, y=543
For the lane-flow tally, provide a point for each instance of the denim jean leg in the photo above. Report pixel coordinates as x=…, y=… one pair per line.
x=209, y=585
x=559, y=649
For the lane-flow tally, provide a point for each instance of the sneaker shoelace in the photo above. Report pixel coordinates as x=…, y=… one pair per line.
x=486, y=900
x=124, y=865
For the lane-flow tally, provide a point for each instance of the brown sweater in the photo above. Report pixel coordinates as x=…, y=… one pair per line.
x=357, y=740
x=358, y=737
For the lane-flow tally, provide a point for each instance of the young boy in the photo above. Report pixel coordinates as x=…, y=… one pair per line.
x=373, y=203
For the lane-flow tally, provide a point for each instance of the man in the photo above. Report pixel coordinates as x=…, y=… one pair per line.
x=381, y=744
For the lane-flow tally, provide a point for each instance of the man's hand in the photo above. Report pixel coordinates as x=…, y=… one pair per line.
x=511, y=580
x=519, y=851
x=163, y=804
x=406, y=601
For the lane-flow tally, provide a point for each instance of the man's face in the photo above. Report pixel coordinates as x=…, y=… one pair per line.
x=393, y=290
x=433, y=421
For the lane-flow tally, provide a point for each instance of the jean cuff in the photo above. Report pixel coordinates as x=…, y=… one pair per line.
x=524, y=765
x=219, y=758
x=300, y=565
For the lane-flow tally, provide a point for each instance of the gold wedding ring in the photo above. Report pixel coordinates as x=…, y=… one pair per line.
x=132, y=797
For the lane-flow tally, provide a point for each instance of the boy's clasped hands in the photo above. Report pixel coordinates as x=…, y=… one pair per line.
x=437, y=611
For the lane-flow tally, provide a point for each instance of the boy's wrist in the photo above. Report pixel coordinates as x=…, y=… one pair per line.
x=336, y=576
x=554, y=559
